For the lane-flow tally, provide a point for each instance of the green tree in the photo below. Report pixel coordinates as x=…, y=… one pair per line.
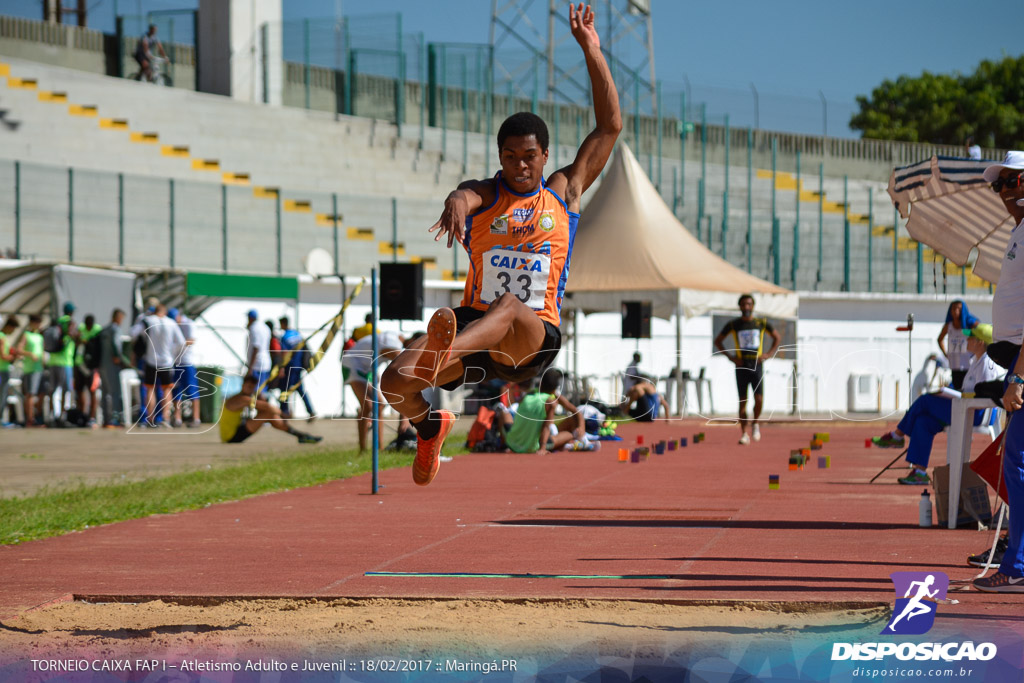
x=987, y=104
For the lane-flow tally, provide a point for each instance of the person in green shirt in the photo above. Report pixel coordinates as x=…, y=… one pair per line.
x=535, y=418
x=62, y=363
x=87, y=379
x=7, y=356
x=30, y=349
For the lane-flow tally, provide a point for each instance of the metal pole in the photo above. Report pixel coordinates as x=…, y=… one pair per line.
x=920, y=267
x=558, y=119
x=776, y=237
x=120, y=219
x=334, y=220
x=71, y=215
x=534, y=102
x=444, y=101
x=795, y=268
x=224, y=227
x=659, y=135
x=703, y=147
x=170, y=216
x=846, y=233
x=305, y=58
x=757, y=108
x=871, y=225
x=400, y=88
x=278, y=208
x=394, y=230
x=895, y=249
x=636, y=115
x=465, y=114
x=682, y=149
x=821, y=213
x=489, y=108
x=750, y=195
x=375, y=426
x=423, y=88
x=17, y=209
x=725, y=195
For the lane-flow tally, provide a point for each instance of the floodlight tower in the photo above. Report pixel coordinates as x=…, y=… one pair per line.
x=627, y=40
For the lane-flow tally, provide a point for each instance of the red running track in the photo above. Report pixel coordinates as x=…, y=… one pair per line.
x=702, y=517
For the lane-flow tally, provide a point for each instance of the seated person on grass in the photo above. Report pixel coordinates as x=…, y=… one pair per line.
x=536, y=417
x=642, y=401
x=235, y=429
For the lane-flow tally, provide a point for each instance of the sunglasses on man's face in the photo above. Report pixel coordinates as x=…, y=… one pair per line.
x=1010, y=183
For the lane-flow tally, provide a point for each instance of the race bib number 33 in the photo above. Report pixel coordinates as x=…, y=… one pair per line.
x=522, y=274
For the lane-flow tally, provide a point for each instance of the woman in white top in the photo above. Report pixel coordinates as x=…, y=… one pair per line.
x=959, y=322
x=931, y=413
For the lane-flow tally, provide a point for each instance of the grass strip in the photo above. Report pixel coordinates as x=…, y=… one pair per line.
x=54, y=511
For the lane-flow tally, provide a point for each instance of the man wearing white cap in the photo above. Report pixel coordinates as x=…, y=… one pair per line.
x=356, y=366
x=1008, y=326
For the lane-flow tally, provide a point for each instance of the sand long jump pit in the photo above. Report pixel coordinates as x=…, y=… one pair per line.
x=418, y=635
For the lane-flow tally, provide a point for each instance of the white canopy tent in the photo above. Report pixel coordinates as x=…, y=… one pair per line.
x=630, y=246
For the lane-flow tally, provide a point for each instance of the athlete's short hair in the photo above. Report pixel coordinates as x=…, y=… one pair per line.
x=551, y=381
x=739, y=302
x=524, y=123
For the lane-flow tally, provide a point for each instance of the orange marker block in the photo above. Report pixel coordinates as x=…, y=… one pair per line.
x=623, y=455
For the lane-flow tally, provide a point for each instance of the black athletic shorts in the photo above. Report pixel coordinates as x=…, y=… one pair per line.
x=241, y=434
x=753, y=377
x=151, y=376
x=480, y=367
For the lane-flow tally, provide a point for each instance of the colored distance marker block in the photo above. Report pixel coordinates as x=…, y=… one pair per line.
x=671, y=445
x=635, y=455
x=682, y=442
x=794, y=466
x=659, y=448
x=822, y=436
x=867, y=443
x=623, y=455
x=773, y=481
x=640, y=439
x=824, y=462
x=806, y=452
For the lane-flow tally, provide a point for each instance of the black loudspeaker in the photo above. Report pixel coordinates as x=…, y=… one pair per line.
x=401, y=291
x=636, y=319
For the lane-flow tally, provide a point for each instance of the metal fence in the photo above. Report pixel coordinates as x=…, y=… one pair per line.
x=92, y=217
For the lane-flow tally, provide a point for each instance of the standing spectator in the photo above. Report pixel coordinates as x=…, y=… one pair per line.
x=7, y=356
x=1007, y=325
x=30, y=348
x=959, y=323
x=973, y=149
x=632, y=374
x=290, y=340
x=112, y=362
x=748, y=335
x=61, y=364
x=86, y=371
x=186, y=384
x=259, y=362
x=163, y=342
x=357, y=365
x=144, y=52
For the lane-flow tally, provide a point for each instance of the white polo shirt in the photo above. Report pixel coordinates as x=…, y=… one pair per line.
x=1008, y=300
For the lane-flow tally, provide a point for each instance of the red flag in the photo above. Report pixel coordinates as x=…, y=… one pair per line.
x=989, y=466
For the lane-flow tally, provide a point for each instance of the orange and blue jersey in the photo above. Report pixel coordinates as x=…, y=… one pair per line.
x=520, y=245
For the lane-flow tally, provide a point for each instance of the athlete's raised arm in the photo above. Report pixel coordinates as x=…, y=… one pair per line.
x=598, y=145
x=463, y=201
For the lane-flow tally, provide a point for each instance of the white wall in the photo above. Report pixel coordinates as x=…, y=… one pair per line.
x=231, y=48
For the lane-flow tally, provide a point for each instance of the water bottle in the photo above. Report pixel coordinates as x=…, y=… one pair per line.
x=925, y=510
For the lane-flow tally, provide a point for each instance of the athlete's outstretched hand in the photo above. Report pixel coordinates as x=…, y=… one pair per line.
x=453, y=219
x=581, y=22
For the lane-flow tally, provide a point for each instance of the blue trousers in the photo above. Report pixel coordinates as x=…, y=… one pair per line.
x=1013, y=475
x=928, y=415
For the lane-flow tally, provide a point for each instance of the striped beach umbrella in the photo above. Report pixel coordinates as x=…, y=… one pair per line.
x=950, y=208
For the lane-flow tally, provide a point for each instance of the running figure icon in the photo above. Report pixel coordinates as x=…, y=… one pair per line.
x=916, y=607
